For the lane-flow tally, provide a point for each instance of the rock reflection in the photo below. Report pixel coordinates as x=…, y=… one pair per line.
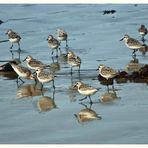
x=46, y=103
x=28, y=90
x=87, y=114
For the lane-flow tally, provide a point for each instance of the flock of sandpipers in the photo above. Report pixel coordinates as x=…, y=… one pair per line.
x=36, y=70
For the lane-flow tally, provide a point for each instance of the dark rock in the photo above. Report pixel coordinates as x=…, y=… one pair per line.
x=1, y=22
x=109, y=12
x=140, y=76
x=103, y=81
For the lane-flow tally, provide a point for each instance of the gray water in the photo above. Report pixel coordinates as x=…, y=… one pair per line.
x=95, y=38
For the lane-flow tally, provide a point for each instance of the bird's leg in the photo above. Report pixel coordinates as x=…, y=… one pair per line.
x=57, y=53
x=21, y=79
x=83, y=105
x=66, y=44
x=52, y=53
x=60, y=49
x=90, y=100
x=143, y=40
x=12, y=54
x=52, y=59
x=53, y=94
x=67, y=49
x=19, y=46
x=79, y=69
x=53, y=84
x=19, y=54
x=41, y=87
x=71, y=70
x=60, y=46
x=134, y=54
x=11, y=46
x=83, y=98
x=17, y=82
x=107, y=86
x=113, y=87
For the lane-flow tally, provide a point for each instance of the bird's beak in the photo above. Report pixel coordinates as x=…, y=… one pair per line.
x=47, y=39
x=121, y=39
x=97, y=69
x=24, y=60
x=74, y=86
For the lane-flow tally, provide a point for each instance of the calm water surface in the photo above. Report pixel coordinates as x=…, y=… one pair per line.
x=95, y=38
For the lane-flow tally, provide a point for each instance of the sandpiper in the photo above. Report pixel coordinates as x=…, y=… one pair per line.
x=107, y=72
x=7, y=67
x=85, y=90
x=142, y=31
x=34, y=64
x=132, y=43
x=62, y=35
x=73, y=60
x=22, y=72
x=53, y=44
x=44, y=77
x=13, y=38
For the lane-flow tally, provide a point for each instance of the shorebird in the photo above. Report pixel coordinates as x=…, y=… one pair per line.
x=7, y=67
x=142, y=31
x=22, y=72
x=106, y=72
x=34, y=64
x=131, y=43
x=13, y=38
x=53, y=44
x=44, y=77
x=62, y=35
x=73, y=60
x=85, y=90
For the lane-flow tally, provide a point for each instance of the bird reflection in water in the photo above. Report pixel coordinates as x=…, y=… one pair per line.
x=108, y=96
x=17, y=52
x=133, y=65
x=29, y=90
x=72, y=90
x=143, y=49
x=62, y=58
x=46, y=103
x=54, y=66
x=87, y=114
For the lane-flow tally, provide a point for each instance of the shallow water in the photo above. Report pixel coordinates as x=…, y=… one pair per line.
x=95, y=38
